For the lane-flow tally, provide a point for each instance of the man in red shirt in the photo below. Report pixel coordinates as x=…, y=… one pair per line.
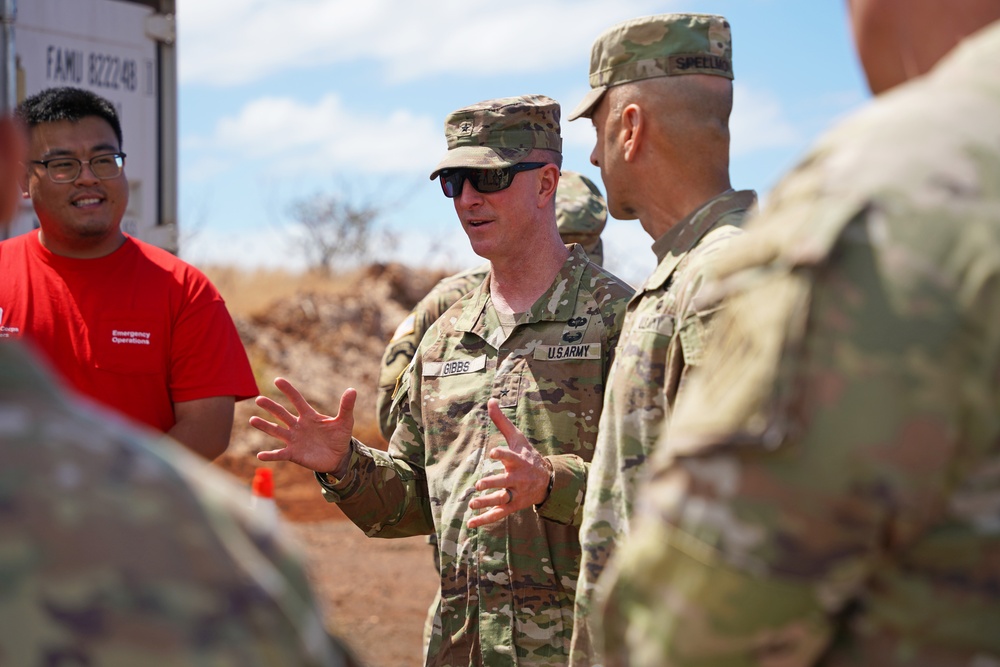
x=124, y=322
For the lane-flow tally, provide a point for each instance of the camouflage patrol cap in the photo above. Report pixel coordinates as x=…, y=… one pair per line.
x=581, y=213
x=500, y=132
x=654, y=46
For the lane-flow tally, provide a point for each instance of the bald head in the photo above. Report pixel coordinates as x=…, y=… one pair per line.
x=697, y=103
x=687, y=120
x=897, y=40
x=663, y=146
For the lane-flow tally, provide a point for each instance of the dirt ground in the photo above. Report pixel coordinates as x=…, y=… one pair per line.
x=374, y=593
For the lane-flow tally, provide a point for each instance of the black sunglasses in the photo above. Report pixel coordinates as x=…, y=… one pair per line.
x=483, y=180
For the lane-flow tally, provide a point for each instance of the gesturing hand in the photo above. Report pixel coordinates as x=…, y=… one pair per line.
x=524, y=482
x=311, y=439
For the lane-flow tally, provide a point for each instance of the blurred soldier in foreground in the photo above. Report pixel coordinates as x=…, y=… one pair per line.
x=660, y=102
x=829, y=492
x=580, y=217
x=119, y=548
x=503, y=397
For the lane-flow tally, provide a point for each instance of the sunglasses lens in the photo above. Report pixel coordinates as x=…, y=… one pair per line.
x=490, y=180
x=483, y=180
x=451, y=183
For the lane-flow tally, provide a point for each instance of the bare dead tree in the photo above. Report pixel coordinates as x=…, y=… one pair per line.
x=334, y=230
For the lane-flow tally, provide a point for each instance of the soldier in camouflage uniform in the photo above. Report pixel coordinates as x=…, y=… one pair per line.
x=666, y=79
x=581, y=214
x=498, y=411
x=118, y=548
x=829, y=492
x=580, y=217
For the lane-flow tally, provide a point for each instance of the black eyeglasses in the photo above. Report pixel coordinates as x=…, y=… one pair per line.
x=67, y=169
x=483, y=180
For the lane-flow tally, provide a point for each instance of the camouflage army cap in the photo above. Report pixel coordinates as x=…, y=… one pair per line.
x=654, y=46
x=581, y=211
x=500, y=132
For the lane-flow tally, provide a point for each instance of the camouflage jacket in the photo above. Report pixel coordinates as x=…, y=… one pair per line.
x=829, y=492
x=662, y=338
x=507, y=588
x=406, y=338
x=119, y=548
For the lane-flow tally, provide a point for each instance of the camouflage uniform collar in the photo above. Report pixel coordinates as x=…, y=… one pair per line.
x=671, y=248
x=555, y=305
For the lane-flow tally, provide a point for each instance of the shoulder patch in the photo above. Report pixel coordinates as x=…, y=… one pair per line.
x=405, y=327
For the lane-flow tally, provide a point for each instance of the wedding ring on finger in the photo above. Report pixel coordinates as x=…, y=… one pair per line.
x=510, y=496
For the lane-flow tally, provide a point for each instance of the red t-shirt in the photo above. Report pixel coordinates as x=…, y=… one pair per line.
x=138, y=330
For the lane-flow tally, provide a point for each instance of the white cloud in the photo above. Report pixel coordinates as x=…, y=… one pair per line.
x=759, y=121
x=230, y=42
x=264, y=248
x=463, y=40
x=324, y=137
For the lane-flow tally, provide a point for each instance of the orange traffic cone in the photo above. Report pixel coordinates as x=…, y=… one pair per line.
x=262, y=494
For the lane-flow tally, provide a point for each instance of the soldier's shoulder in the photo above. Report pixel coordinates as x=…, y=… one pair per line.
x=602, y=282
x=463, y=280
x=723, y=236
x=449, y=290
x=445, y=323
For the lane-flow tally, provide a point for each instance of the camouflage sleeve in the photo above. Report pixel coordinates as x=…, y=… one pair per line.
x=396, y=357
x=820, y=441
x=569, y=483
x=385, y=493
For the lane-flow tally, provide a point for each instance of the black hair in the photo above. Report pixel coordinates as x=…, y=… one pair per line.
x=65, y=103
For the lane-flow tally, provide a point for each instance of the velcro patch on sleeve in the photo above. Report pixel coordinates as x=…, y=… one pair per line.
x=405, y=327
x=660, y=323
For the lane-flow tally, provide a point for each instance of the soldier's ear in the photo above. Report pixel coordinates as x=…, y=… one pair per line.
x=633, y=131
x=548, y=181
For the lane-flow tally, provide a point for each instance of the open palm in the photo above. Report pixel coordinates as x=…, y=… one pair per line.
x=311, y=439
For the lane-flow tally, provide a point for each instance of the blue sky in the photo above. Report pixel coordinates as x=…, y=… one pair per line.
x=282, y=99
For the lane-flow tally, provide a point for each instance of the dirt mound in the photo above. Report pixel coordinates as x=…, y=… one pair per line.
x=325, y=335
x=323, y=339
